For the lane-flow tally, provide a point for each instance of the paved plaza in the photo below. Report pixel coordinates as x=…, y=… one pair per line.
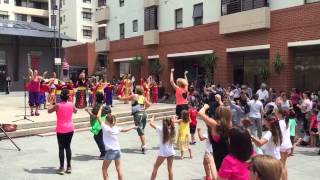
x=38, y=160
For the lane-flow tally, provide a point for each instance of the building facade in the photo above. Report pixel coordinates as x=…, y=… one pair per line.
x=26, y=10
x=77, y=20
x=254, y=41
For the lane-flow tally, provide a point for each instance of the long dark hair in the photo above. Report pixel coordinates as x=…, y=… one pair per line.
x=223, y=116
x=285, y=115
x=240, y=143
x=185, y=116
x=169, y=132
x=275, y=129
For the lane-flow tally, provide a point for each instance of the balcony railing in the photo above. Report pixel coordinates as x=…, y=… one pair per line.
x=235, y=6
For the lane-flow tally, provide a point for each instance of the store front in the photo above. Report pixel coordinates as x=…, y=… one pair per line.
x=307, y=67
x=250, y=68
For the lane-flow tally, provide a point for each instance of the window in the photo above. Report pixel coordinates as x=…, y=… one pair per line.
x=235, y=6
x=53, y=20
x=102, y=3
x=6, y=1
x=122, y=31
x=121, y=3
x=135, y=25
x=311, y=1
x=198, y=14
x=87, y=1
x=60, y=20
x=87, y=31
x=64, y=18
x=3, y=58
x=178, y=18
x=151, y=18
x=21, y=17
x=86, y=14
x=4, y=15
x=102, y=33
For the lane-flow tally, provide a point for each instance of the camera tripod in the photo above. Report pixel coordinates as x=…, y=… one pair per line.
x=4, y=132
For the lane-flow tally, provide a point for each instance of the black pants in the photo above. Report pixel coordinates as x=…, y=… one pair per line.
x=64, y=141
x=99, y=140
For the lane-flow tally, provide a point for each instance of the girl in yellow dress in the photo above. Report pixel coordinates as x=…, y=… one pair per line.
x=184, y=133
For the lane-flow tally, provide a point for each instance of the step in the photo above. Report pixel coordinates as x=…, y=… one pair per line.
x=84, y=119
x=78, y=125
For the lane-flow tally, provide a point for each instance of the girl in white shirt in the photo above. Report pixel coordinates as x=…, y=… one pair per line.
x=272, y=139
x=167, y=136
x=286, y=145
x=208, y=161
x=110, y=140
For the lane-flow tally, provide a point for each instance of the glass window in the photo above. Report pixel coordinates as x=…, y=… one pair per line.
x=6, y=1
x=102, y=3
x=2, y=57
x=135, y=25
x=4, y=15
x=21, y=17
x=151, y=18
x=86, y=14
x=86, y=1
x=307, y=69
x=124, y=68
x=121, y=3
x=122, y=33
x=102, y=33
x=311, y=1
x=235, y=6
x=87, y=31
x=198, y=14
x=178, y=18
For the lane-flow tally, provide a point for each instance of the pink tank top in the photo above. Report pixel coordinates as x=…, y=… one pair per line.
x=34, y=85
x=181, y=96
x=64, y=117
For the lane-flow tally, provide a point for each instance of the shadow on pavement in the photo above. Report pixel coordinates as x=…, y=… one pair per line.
x=307, y=153
x=42, y=170
x=132, y=151
x=84, y=157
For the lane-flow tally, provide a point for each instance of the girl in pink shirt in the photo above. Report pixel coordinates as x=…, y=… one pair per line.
x=64, y=129
x=235, y=165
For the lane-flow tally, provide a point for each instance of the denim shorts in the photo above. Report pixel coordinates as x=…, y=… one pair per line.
x=112, y=155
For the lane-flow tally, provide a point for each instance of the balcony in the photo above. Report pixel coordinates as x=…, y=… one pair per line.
x=31, y=11
x=244, y=15
x=151, y=37
x=102, y=15
x=102, y=45
x=148, y=3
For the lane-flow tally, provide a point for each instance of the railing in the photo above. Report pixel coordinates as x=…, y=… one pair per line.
x=235, y=6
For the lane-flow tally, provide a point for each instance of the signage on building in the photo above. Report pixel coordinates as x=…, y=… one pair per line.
x=57, y=61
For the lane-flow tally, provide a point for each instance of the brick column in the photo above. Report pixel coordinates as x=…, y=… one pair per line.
x=223, y=73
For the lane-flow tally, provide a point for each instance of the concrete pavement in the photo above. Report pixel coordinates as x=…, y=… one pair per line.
x=38, y=160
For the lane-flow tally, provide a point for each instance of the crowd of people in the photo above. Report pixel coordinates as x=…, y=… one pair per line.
x=249, y=135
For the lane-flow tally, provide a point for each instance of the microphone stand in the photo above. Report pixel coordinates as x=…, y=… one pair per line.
x=25, y=103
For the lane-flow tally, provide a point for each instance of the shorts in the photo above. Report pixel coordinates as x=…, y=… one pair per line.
x=180, y=108
x=33, y=99
x=193, y=129
x=140, y=120
x=292, y=140
x=315, y=130
x=112, y=155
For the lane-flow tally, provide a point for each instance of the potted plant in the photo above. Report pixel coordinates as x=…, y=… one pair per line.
x=209, y=64
x=264, y=72
x=156, y=68
x=278, y=64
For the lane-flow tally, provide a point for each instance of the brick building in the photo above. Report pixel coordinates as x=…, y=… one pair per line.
x=245, y=35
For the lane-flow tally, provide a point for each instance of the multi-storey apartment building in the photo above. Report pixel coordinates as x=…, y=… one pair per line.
x=77, y=20
x=26, y=10
x=274, y=41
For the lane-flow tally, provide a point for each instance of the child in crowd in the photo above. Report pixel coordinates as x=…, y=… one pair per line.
x=184, y=133
x=219, y=136
x=167, y=135
x=293, y=128
x=90, y=96
x=42, y=95
x=155, y=93
x=111, y=143
x=208, y=161
x=95, y=125
x=193, y=113
x=265, y=167
x=272, y=139
x=235, y=165
x=286, y=145
x=313, y=128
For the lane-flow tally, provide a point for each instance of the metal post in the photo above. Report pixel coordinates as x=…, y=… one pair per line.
x=54, y=31
x=59, y=39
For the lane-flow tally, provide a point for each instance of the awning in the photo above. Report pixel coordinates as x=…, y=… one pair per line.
x=193, y=53
x=248, y=48
x=123, y=59
x=304, y=43
x=154, y=57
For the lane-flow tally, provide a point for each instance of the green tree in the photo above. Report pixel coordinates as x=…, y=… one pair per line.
x=209, y=64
